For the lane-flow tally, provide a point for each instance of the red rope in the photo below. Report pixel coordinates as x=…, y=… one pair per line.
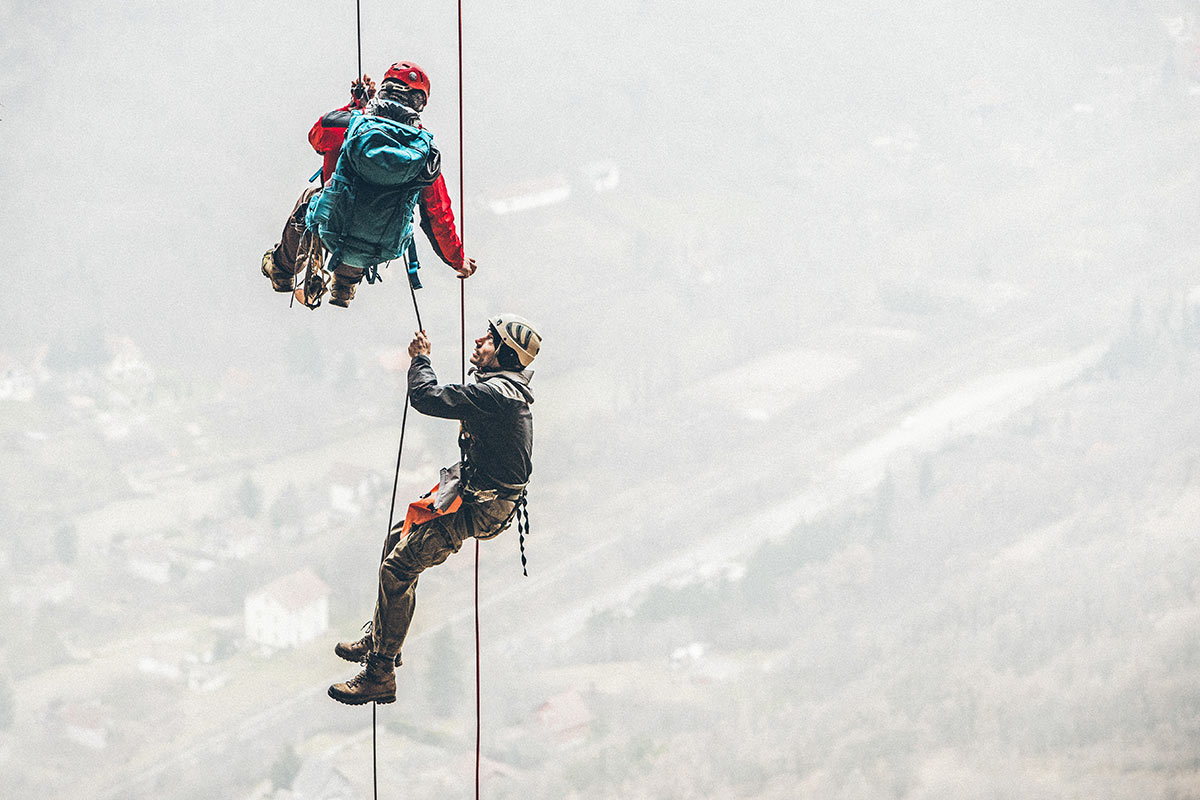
x=462, y=228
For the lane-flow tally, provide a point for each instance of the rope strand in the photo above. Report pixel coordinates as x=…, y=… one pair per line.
x=358, y=26
x=462, y=228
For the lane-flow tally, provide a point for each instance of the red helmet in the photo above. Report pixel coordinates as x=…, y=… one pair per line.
x=410, y=75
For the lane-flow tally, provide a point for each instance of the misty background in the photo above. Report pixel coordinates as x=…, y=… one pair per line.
x=866, y=436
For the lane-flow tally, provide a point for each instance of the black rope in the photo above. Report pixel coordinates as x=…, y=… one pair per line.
x=413, y=291
x=400, y=449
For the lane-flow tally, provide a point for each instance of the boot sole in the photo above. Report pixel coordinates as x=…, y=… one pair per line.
x=351, y=700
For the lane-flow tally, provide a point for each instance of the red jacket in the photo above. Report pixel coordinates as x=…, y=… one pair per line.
x=437, y=217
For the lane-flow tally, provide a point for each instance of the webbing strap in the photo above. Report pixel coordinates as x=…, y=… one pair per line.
x=522, y=529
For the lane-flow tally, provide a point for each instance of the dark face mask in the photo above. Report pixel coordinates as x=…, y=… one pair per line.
x=396, y=92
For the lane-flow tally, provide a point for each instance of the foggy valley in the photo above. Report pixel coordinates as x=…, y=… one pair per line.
x=866, y=452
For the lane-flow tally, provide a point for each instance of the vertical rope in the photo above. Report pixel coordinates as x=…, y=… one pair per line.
x=462, y=295
x=400, y=449
x=374, y=706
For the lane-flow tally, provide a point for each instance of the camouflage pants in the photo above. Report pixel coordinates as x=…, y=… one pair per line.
x=296, y=243
x=427, y=544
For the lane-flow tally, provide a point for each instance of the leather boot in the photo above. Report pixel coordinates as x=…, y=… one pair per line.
x=280, y=281
x=375, y=684
x=355, y=651
x=342, y=291
x=358, y=651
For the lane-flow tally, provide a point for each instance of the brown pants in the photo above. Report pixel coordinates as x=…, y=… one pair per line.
x=297, y=243
x=427, y=544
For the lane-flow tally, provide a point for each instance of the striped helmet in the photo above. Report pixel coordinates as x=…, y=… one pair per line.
x=517, y=336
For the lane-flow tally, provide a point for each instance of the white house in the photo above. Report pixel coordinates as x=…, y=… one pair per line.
x=351, y=488
x=289, y=611
x=152, y=561
x=86, y=725
x=128, y=374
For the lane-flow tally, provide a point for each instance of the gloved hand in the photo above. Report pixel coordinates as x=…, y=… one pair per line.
x=362, y=90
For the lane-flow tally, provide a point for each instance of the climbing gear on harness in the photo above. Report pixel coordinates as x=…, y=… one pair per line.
x=518, y=335
x=449, y=486
x=316, y=277
x=375, y=684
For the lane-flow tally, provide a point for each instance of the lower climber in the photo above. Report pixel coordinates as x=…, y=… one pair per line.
x=497, y=441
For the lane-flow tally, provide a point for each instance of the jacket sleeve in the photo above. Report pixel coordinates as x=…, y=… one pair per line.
x=327, y=135
x=437, y=220
x=450, y=400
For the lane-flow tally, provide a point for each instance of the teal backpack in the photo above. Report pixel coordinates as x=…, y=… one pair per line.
x=364, y=215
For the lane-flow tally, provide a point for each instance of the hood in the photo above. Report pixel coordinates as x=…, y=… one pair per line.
x=513, y=384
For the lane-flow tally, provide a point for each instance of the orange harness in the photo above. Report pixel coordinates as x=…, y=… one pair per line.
x=422, y=510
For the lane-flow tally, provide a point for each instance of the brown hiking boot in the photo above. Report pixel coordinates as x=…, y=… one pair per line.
x=280, y=281
x=375, y=684
x=342, y=291
x=358, y=651
x=355, y=651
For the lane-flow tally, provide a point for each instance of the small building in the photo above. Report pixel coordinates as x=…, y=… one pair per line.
x=352, y=488
x=130, y=378
x=566, y=717
x=86, y=725
x=152, y=561
x=288, y=612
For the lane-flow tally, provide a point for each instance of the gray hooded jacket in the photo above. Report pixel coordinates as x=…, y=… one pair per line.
x=495, y=415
